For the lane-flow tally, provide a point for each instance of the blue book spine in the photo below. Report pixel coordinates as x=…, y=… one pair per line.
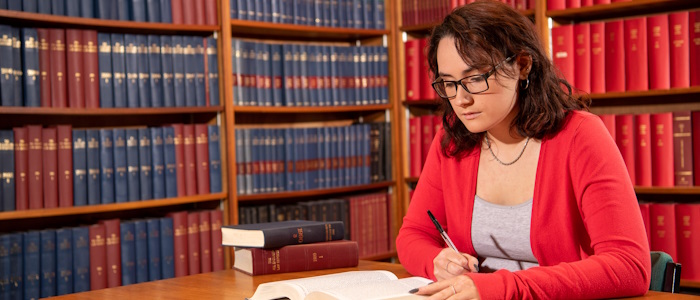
x=255, y=10
x=58, y=7
x=73, y=8
x=300, y=159
x=104, y=55
x=289, y=159
x=93, y=166
x=17, y=66
x=212, y=71
x=304, y=66
x=266, y=160
x=7, y=170
x=200, y=84
x=368, y=8
x=118, y=67
x=131, y=57
x=29, y=5
x=5, y=266
x=104, y=9
x=190, y=70
x=166, y=11
x=44, y=6
x=327, y=89
x=276, y=11
x=138, y=11
x=158, y=166
x=81, y=259
x=266, y=11
x=154, y=264
x=363, y=75
x=248, y=160
x=280, y=157
x=141, y=246
x=340, y=156
x=167, y=251
x=170, y=162
x=30, y=67
x=121, y=174
x=155, y=70
x=107, y=166
x=166, y=65
x=128, y=252
x=326, y=13
x=287, y=61
x=327, y=146
x=240, y=166
x=144, y=74
x=276, y=74
x=64, y=261
x=87, y=8
x=145, y=161
x=79, y=168
x=256, y=159
x=123, y=11
x=296, y=74
x=245, y=75
x=48, y=263
x=7, y=93
x=16, y=266
x=32, y=265
x=237, y=69
x=312, y=159
x=153, y=11
x=214, y=159
x=179, y=45
x=132, y=160
x=384, y=72
x=266, y=72
x=379, y=14
x=320, y=159
x=366, y=176
x=233, y=9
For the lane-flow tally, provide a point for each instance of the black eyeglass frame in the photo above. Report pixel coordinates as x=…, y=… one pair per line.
x=485, y=76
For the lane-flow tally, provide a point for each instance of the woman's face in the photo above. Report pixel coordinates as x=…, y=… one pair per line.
x=492, y=109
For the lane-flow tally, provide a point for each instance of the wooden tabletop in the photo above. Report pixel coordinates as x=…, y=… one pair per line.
x=234, y=285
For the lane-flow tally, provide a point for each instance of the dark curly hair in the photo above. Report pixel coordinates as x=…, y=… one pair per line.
x=485, y=33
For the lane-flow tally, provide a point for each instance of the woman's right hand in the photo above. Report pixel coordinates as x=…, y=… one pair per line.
x=448, y=264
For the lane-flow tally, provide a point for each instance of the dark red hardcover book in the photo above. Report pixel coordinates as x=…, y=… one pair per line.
x=601, y=2
x=49, y=156
x=642, y=150
x=694, y=23
x=614, y=56
x=188, y=12
x=98, y=257
x=563, y=51
x=193, y=243
x=44, y=66
x=199, y=14
x=662, y=149
x=597, y=32
x=695, y=120
x=609, y=122
x=426, y=136
x=644, y=208
x=57, y=51
x=658, y=51
x=680, y=50
x=202, y=157
x=34, y=167
x=21, y=168
x=210, y=15
x=180, y=159
x=573, y=3
x=624, y=138
x=176, y=7
x=297, y=258
x=180, y=243
x=91, y=69
x=556, y=4
x=688, y=239
x=205, y=241
x=412, y=51
x=682, y=149
x=190, y=159
x=415, y=146
x=663, y=228
x=64, y=136
x=636, y=54
x=425, y=76
x=113, y=252
x=582, y=57
x=217, y=250
x=75, y=76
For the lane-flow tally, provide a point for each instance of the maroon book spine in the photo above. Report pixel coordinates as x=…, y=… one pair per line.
x=658, y=52
x=21, y=168
x=217, y=250
x=693, y=25
x=193, y=243
x=662, y=149
x=414, y=137
x=205, y=241
x=44, y=67
x=188, y=12
x=582, y=57
x=35, y=168
x=695, y=120
x=297, y=258
x=50, y=167
x=413, y=63
x=176, y=6
x=202, y=157
x=614, y=56
x=199, y=13
x=74, y=64
x=663, y=228
x=597, y=31
x=98, y=257
x=210, y=14
x=680, y=50
x=682, y=149
x=65, y=165
x=563, y=51
x=180, y=159
x=113, y=252
x=642, y=150
x=180, y=243
x=91, y=69
x=688, y=239
x=636, y=54
x=57, y=51
x=190, y=160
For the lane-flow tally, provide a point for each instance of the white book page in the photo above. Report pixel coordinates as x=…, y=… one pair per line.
x=397, y=289
x=297, y=289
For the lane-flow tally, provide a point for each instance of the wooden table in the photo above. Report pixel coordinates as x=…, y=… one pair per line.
x=234, y=285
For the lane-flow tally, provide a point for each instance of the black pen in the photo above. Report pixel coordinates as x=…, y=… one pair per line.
x=446, y=237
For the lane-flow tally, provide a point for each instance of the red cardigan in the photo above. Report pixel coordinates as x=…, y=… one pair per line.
x=587, y=231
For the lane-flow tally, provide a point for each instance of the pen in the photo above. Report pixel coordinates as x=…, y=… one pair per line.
x=446, y=237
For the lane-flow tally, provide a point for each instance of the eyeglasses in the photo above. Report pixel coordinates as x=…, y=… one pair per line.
x=473, y=84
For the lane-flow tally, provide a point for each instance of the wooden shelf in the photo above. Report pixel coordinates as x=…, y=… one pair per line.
x=309, y=109
x=265, y=30
x=313, y=193
x=428, y=102
x=20, y=18
x=691, y=190
x=620, y=10
x=107, y=111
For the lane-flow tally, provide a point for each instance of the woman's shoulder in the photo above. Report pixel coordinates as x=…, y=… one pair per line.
x=579, y=123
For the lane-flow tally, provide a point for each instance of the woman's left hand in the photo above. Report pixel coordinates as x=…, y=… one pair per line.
x=460, y=287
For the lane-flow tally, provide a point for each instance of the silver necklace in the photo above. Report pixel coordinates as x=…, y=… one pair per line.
x=488, y=143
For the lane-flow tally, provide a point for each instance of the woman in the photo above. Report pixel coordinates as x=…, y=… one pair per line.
x=530, y=187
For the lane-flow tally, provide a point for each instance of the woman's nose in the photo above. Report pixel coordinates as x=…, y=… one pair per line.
x=463, y=97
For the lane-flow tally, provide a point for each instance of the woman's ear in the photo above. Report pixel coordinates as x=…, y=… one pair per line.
x=525, y=63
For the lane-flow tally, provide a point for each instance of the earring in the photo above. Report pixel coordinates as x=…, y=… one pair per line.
x=527, y=84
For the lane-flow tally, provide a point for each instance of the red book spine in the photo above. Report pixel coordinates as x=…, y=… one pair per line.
x=582, y=57
x=663, y=228
x=205, y=241
x=573, y=3
x=199, y=14
x=113, y=251
x=180, y=243
x=586, y=3
x=425, y=76
x=44, y=67
x=57, y=50
x=614, y=56
x=176, y=6
x=601, y=2
x=426, y=136
x=193, y=243
x=642, y=153
x=597, y=33
x=415, y=148
x=50, y=167
x=202, y=157
x=556, y=4
x=91, y=69
x=210, y=10
x=644, y=208
x=624, y=138
x=297, y=258
x=74, y=61
x=636, y=55
x=694, y=29
x=662, y=149
x=658, y=51
x=98, y=257
x=412, y=48
x=188, y=12
x=35, y=168
x=695, y=120
x=609, y=122
x=64, y=135
x=180, y=159
x=682, y=149
x=680, y=50
x=688, y=239
x=21, y=168
x=217, y=250
x=190, y=160
x=563, y=50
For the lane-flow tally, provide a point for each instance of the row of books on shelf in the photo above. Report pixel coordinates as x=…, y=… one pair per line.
x=659, y=149
x=62, y=167
x=636, y=54
x=418, y=75
x=421, y=131
x=271, y=160
x=270, y=74
x=360, y=14
x=86, y=69
x=52, y=262
x=200, y=12
x=566, y=4
x=424, y=12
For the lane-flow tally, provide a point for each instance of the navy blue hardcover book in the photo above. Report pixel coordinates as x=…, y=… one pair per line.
x=340, y=156
x=179, y=94
x=16, y=284
x=128, y=252
x=276, y=11
x=353, y=71
x=333, y=73
x=379, y=14
x=246, y=82
x=280, y=157
x=64, y=261
x=276, y=75
x=384, y=73
x=170, y=162
x=233, y=9
x=58, y=7
x=107, y=166
x=297, y=75
x=48, y=263
x=264, y=8
x=28, y=5
x=266, y=72
x=299, y=158
x=167, y=248
x=73, y=8
x=256, y=160
x=212, y=72
x=287, y=75
x=106, y=9
x=132, y=161
x=5, y=265
x=214, y=159
x=141, y=246
x=93, y=166
x=144, y=75
x=32, y=265
x=123, y=11
x=153, y=11
x=166, y=65
x=289, y=162
x=30, y=67
x=131, y=57
x=154, y=263
x=118, y=66
x=155, y=70
x=145, y=161
x=363, y=75
x=81, y=259
x=87, y=8
x=17, y=66
x=7, y=169
x=199, y=86
x=327, y=90
x=237, y=69
x=138, y=11
x=44, y=6
x=104, y=55
x=368, y=8
x=120, y=166
x=158, y=159
x=166, y=11
x=190, y=70
x=242, y=9
x=240, y=167
x=248, y=161
x=365, y=158
x=79, y=168
x=304, y=65
x=7, y=93
x=257, y=72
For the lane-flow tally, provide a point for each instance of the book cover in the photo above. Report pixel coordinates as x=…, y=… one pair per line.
x=75, y=75
x=624, y=138
x=170, y=161
x=30, y=67
x=49, y=156
x=415, y=146
x=217, y=250
x=201, y=158
x=113, y=252
x=178, y=63
x=194, y=259
x=64, y=135
x=412, y=65
x=32, y=264
x=688, y=239
x=296, y=258
x=7, y=170
x=57, y=55
x=179, y=142
x=107, y=166
x=35, y=168
x=121, y=174
x=128, y=252
x=214, y=159
x=44, y=67
x=615, y=56
x=154, y=263
x=658, y=50
x=153, y=11
x=167, y=253
x=91, y=69
x=636, y=54
x=131, y=67
x=662, y=149
x=205, y=241
x=119, y=75
x=642, y=150
x=180, y=243
x=98, y=257
x=597, y=32
x=158, y=163
x=144, y=77
x=277, y=234
x=133, y=166
x=563, y=51
x=190, y=162
x=81, y=259
x=94, y=194
x=679, y=49
x=682, y=148
x=212, y=74
x=694, y=23
x=48, y=262
x=16, y=264
x=663, y=228
x=166, y=65
x=177, y=11
x=155, y=69
x=141, y=247
x=79, y=168
x=6, y=67
x=145, y=164
x=21, y=168
x=582, y=57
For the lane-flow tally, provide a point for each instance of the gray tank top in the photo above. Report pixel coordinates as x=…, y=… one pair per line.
x=501, y=235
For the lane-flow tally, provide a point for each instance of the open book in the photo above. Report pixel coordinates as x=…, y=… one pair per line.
x=365, y=285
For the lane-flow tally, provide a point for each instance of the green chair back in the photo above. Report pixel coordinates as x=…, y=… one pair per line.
x=665, y=274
